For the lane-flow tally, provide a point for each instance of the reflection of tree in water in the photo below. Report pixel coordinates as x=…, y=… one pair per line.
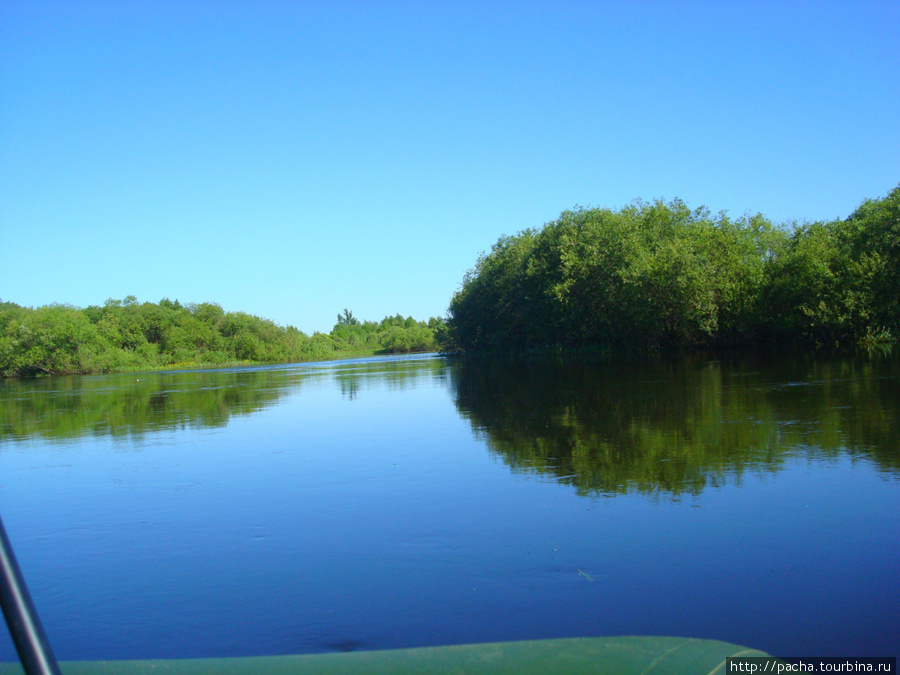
x=126, y=406
x=394, y=374
x=131, y=405
x=349, y=387
x=677, y=427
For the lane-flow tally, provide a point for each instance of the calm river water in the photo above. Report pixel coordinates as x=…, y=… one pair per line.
x=401, y=502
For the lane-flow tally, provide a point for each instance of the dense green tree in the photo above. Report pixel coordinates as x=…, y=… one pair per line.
x=662, y=275
x=128, y=335
x=347, y=318
x=210, y=313
x=51, y=339
x=873, y=231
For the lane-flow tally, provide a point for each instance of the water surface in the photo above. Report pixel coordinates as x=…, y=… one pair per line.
x=401, y=502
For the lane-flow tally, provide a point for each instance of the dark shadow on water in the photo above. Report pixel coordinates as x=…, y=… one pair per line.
x=676, y=424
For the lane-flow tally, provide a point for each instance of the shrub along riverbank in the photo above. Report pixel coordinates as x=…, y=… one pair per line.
x=125, y=335
x=648, y=276
x=659, y=274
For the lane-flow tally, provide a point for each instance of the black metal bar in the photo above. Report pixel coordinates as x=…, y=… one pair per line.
x=24, y=625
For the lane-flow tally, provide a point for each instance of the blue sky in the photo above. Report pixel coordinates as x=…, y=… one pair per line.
x=290, y=159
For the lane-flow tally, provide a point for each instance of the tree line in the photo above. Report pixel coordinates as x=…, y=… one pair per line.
x=649, y=275
x=126, y=335
x=660, y=274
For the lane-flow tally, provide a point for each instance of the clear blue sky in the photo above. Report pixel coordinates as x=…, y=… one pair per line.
x=290, y=159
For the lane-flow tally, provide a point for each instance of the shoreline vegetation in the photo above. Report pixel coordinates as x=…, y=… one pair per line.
x=128, y=336
x=658, y=276
x=648, y=277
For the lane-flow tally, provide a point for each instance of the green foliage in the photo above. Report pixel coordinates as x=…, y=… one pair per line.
x=51, y=339
x=873, y=231
x=347, y=318
x=394, y=334
x=208, y=312
x=125, y=335
x=662, y=275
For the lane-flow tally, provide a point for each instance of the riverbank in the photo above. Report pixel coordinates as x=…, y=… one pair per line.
x=127, y=336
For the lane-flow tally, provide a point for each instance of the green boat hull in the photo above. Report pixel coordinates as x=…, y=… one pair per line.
x=651, y=655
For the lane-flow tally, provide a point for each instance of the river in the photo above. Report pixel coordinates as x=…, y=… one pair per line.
x=411, y=501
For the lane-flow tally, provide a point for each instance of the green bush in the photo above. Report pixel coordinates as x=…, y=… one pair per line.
x=660, y=274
